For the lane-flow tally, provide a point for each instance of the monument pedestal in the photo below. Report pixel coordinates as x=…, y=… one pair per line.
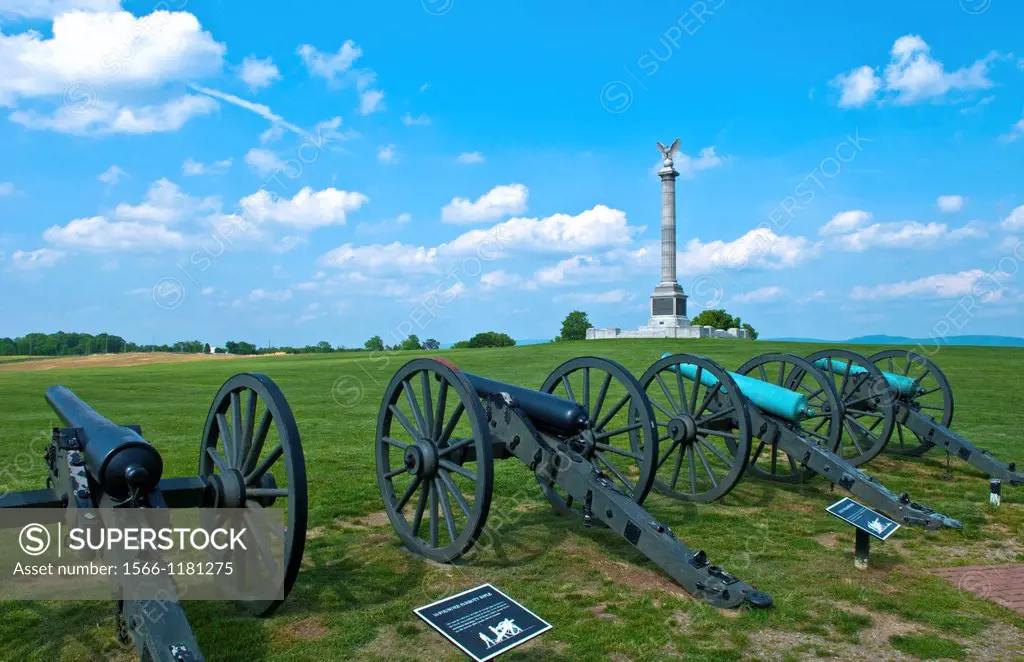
x=668, y=306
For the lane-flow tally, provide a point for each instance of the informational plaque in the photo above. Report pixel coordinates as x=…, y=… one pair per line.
x=863, y=518
x=483, y=621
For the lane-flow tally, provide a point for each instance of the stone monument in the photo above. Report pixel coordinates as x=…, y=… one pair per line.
x=668, y=301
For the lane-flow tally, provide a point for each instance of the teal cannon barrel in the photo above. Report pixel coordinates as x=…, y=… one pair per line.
x=899, y=383
x=116, y=457
x=546, y=411
x=769, y=398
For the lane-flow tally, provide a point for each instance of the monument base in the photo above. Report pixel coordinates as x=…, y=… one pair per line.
x=668, y=331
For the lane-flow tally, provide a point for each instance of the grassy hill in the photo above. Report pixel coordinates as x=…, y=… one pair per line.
x=355, y=595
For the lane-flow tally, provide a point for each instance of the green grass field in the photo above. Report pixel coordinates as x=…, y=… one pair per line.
x=354, y=597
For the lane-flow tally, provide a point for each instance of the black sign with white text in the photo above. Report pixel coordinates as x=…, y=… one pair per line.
x=863, y=518
x=483, y=621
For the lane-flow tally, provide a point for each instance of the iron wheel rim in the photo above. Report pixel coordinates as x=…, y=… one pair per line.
x=888, y=360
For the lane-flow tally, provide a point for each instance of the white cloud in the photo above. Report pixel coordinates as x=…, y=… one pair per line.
x=42, y=258
x=329, y=66
x=599, y=227
x=500, y=278
x=467, y=158
x=263, y=161
x=409, y=120
x=288, y=244
x=911, y=76
x=86, y=52
x=759, y=249
x=386, y=154
x=192, y=168
x=499, y=201
x=1015, y=134
x=112, y=175
x=270, y=295
x=327, y=131
x=574, y=270
x=384, y=226
x=273, y=134
x=688, y=166
x=950, y=203
x=371, y=101
x=306, y=210
x=257, y=73
x=909, y=234
x=939, y=286
x=164, y=203
x=845, y=221
x=99, y=234
x=609, y=296
x=857, y=87
x=50, y=9
x=6, y=188
x=394, y=257
x=1014, y=220
x=761, y=295
x=107, y=118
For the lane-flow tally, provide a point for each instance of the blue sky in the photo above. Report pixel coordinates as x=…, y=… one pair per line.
x=331, y=172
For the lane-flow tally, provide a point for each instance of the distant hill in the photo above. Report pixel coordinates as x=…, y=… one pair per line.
x=977, y=341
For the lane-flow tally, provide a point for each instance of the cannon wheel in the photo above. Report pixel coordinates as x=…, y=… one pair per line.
x=251, y=451
x=935, y=399
x=433, y=443
x=868, y=420
x=714, y=445
x=824, y=426
x=621, y=440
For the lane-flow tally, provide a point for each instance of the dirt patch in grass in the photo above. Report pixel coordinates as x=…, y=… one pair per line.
x=112, y=360
x=620, y=572
x=829, y=540
x=308, y=629
x=873, y=641
x=389, y=642
x=601, y=611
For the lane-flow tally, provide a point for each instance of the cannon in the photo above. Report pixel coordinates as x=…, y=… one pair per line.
x=918, y=407
x=249, y=459
x=588, y=435
x=710, y=416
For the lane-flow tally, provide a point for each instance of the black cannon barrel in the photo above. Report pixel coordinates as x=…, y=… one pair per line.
x=546, y=411
x=116, y=457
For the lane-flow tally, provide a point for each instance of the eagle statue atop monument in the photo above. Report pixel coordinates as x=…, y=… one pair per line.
x=667, y=152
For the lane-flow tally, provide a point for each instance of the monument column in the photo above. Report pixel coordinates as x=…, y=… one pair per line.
x=668, y=302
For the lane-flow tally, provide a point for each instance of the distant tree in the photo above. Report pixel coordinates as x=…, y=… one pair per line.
x=490, y=339
x=240, y=348
x=219, y=350
x=374, y=344
x=206, y=348
x=430, y=343
x=462, y=344
x=716, y=318
x=411, y=343
x=753, y=332
x=575, y=325
x=324, y=347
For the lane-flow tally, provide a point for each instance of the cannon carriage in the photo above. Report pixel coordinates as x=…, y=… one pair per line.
x=916, y=412
x=250, y=459
x=711, y=417
x=588, y=435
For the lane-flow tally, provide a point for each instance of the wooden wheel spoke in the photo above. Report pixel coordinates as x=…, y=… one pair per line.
x=266, y=492
x=416, y=481
x=452, y=422
x=226, y=439
x=619, y=451
x=414, y=405
x=695, y=389
x=218, y=460
x=611, y=413
x=428, y=406
x=446, y=510
x=662, y=410
x=236, y=429
x=458, y=445
x=462, y=471
x=693, y=469
x=712, y=392
x=395, y=472
x=599, y=402
x=248, y=431
x=618, y=431
x=717, y=453
x=397, y=444
x=678, y=465
x=586, y=391
x=664, y=457
x=455, y=491
x=615, y=471
x=400, y=417
x=260, y=438
x=757, y=452
x=267, y=462
x=421, y=506
x=442, y=402
x=568, y=388
x=707, y=467
x=433, y=516
x=668, y=393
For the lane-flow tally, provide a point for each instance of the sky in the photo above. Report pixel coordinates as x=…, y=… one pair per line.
x=333, y=171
